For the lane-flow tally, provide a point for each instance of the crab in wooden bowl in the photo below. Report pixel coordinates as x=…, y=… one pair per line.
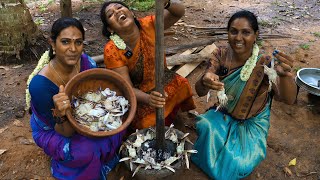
x=103, y=103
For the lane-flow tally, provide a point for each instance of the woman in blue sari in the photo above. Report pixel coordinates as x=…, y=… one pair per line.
x=73, y=156
x=232, y=135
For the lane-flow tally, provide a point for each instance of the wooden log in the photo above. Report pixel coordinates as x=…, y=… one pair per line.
x=189, y=51
x=180, y=59
x=200, y=27
x=211, y=39
x=175, y=49
x=261, y=36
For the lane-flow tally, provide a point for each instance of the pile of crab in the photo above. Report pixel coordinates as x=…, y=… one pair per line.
x=139, y=150
x=101, y=110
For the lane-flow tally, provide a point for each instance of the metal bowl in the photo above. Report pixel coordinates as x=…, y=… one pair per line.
x=309, y=79
x=92, y=80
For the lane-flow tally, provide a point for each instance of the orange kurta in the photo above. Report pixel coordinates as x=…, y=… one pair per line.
x=141, y=67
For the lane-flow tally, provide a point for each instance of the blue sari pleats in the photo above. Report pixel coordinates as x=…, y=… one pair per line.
x=229, y=148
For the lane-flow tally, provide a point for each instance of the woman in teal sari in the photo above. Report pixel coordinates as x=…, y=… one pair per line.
x=232, y=135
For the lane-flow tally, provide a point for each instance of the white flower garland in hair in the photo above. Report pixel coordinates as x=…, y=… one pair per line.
x=118, y=41
x=246, y=70
x=44, y=60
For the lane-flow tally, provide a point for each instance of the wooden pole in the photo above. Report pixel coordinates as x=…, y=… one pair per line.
x=160, y=134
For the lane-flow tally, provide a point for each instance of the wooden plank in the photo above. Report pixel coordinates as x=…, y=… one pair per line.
x=186, y=69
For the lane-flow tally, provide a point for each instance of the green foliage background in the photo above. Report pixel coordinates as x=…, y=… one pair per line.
x=139, y=5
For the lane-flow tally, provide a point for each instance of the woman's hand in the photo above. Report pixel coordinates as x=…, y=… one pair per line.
x=61, y=103
x=157, y=100
x=211, y=80
x=287, y=88
x=284, y=64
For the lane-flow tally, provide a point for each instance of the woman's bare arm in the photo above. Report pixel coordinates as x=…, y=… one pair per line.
x=286, y=90
x=173, y=13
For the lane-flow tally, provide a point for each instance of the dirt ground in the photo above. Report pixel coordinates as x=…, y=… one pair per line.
x=294, y=131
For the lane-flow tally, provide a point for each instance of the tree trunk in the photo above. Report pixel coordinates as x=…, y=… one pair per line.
x=66, y=8
x=17, y=31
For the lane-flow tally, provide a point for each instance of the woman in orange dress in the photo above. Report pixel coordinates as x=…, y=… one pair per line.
x=130, y=51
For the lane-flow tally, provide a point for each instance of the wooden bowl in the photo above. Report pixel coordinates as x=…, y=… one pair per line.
x=92, y=80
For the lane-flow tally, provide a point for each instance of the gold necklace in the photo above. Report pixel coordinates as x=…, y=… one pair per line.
x=54, y=69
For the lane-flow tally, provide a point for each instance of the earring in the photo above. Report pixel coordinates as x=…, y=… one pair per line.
x=53, y=52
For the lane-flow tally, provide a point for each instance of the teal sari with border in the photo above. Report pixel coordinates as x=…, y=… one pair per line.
x=229, y=148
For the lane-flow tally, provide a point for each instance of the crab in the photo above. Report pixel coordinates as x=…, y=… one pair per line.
x=222, y=98
x=83, y=109
x=107, y=92
x=97, y=112
x=271, y=73
x=93, y=96
x=100, y=110
x=108, y=105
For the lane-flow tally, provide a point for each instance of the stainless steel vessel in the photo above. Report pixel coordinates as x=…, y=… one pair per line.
x=309, y=79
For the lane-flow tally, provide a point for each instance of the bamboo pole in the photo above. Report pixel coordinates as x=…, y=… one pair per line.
x=159, y=55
